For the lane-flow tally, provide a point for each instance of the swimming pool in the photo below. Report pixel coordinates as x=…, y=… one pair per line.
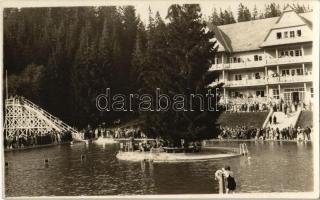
x=274, y=167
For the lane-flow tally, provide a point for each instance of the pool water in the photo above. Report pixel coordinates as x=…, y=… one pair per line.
x=274, y=167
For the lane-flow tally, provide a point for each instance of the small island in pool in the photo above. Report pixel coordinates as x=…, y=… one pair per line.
x=155, y=151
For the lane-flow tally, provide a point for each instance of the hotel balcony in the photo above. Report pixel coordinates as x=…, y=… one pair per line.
x=288, y=60
x=268, y=62
x=241, y=65
x=245, y=82
x=289, y=79
x=243, y=100
x=268, y=80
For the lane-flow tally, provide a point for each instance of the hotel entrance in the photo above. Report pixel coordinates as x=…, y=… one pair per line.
x=292, y=95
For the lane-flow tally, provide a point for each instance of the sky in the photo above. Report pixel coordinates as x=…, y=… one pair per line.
x=142, y=6
x=208, y=6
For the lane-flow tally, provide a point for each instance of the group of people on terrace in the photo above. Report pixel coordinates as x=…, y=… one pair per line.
x=246, y=105
x=32, y=139
x=244, y=132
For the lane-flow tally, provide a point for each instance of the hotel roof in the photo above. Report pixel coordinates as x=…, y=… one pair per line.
x=249, y=35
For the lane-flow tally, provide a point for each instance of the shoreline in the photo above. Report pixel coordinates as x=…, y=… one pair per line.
x=253, y=140
x=35, y=147
x=119, y=139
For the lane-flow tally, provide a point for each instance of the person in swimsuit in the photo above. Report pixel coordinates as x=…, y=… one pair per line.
x=229, y=180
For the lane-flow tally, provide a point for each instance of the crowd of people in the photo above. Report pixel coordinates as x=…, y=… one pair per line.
x=31, y=139
x=129, y=136
x=244, y=132
x=244, y=107
x=260, y=104
x=104, y=132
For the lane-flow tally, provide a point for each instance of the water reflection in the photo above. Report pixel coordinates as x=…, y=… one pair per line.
x=269, y=167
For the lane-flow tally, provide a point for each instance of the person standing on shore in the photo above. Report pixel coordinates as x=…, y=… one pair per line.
x=270, y=120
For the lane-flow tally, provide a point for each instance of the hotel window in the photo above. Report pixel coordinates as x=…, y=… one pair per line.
x=284, y=53
x=291, y=33
x=260, y=93
x=286, y=34
x=299, y=72
x=257, y=75
x=311, y=92
x=215, y=61
x=299, y=33
x=235, y=94
x=298, y=52
x=291, y=53
x=257, y=58
x=285, y=72
x=279, y=35
x=275, y=93
x=234, y=60
x=238, y=77
x=293, y=72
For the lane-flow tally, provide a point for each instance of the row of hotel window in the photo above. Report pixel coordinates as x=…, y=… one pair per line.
x=284, y=53
x=286, y=34
x=284, y=72
x=275, y=93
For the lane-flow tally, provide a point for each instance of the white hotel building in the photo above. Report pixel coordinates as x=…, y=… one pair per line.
x=266, y=59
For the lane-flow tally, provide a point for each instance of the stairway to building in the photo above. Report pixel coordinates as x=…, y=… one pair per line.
x=284, y=121
x=235, y=119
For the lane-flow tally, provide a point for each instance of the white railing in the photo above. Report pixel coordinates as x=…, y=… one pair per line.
x=240, y=65
x=246, y=82
x=269, y=61
x=289, y=79
x=270, y=80
x=247, y=64
x=217, y=67
x=238, y=100
x=288, y=60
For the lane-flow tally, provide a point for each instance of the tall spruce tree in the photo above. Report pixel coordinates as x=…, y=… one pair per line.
x=255, y=13
x=185, y=59
x=214, y=18
x=243, y=13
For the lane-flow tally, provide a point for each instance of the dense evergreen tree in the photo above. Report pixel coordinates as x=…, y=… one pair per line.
x=243, y=13
x=183, y=55
x=215, y=18
x=272, y=10
x=228, y=17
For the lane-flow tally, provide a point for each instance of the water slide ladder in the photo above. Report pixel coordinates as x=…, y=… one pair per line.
x=244, y=149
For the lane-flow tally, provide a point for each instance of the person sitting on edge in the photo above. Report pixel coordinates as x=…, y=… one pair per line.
x=229, y=180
